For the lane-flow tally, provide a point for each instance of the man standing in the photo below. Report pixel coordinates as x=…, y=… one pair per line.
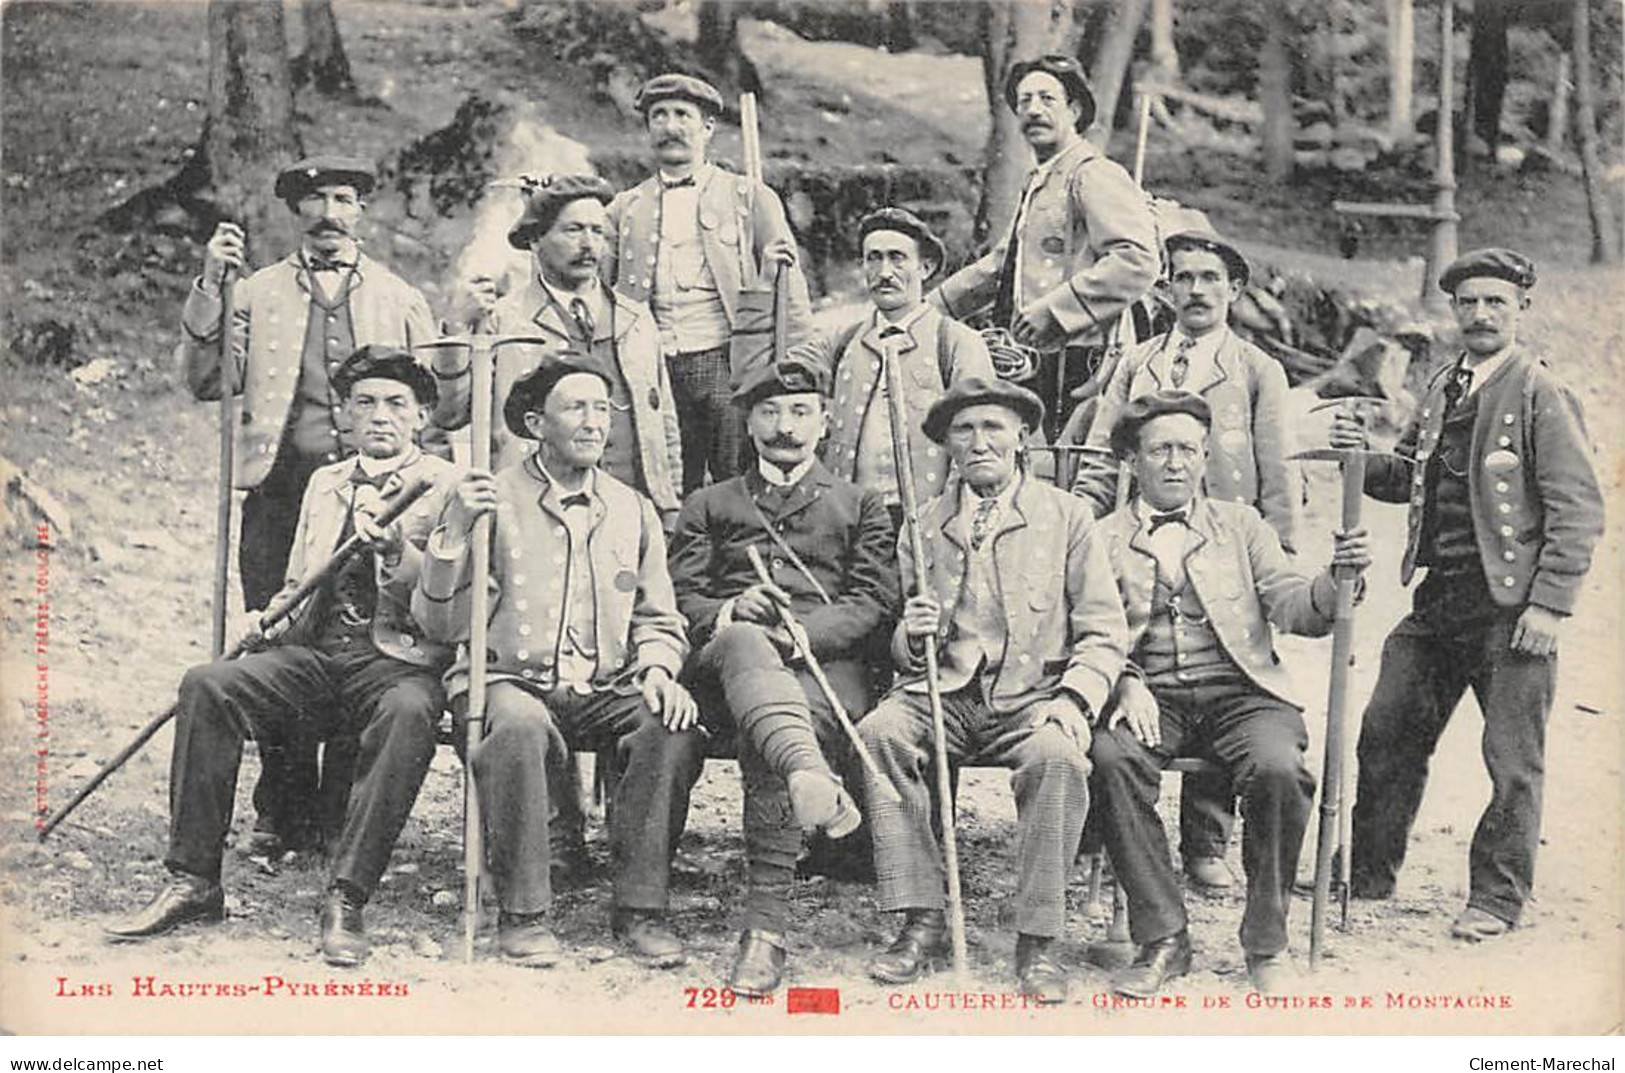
x=296, y=320
x=1505, y=512
x=1031, y=639
x=832, y=555
x=1246, y=459
x=686, y=240
x=899, y=254
x=585, y=643
x=1202, y=580
x=1082, y=244
x=353, y=659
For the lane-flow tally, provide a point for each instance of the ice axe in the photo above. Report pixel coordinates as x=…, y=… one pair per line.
x=1334, y=806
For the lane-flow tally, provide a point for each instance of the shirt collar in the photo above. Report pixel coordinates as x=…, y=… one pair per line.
x=1143, y=510
x=351, y=256
x=1201, y=345
x=372, y=467
x=590, y=292
x=1485, y=368
x=779, y=479
x=912, y=317
x=701, y=172
x=589, y=486
x=1001, y=499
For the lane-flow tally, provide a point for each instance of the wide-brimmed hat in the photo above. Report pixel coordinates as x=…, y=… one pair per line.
x=892, y=218
x=297, y=180
x=977, y=391
x=1202, y=238
x=679, y=87
x=374, y=361
x=1068, y=71
x=1495, y=262
x=530, y=391
x=1126, y=432
x=547, y=197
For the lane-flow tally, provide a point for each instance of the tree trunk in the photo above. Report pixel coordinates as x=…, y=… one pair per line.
x=249, y=131
x=717, y=34
x=323, y=64
x=1275, y=92
x=1401, y=66
x=1013, y=30
x=1605, y=237
x=1111, y=65
x=900, y=22
x=1164, y=57
x=1487, y=70
x=1557, y=113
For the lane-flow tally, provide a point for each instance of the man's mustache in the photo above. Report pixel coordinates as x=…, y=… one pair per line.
x=785, y=442
x=671, y=139
x=329, y=227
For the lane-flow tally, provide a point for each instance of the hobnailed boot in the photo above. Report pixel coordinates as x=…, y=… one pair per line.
x=921, y=947
x=758, y=967
x=343, y=942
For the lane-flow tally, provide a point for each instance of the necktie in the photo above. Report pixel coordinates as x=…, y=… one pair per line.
x=676, y=184
x=981, y=522
x=1158, y=520
x=1456, y=389
x=891, y=331
x=1180, y=368
x=583, y=318
x=575, y=499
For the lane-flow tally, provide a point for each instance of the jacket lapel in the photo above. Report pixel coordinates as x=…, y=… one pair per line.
x=1218, y=370
x=805, y=492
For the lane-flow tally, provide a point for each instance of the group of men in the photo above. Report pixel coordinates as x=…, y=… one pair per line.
x=685, y=551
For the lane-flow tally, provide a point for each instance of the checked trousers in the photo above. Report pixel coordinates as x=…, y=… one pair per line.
x=711, y=428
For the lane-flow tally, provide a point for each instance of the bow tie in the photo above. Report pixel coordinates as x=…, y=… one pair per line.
x=675, y=184
x=892, y=330
x=1158, y=520
x=359, y=476
x=574, y=499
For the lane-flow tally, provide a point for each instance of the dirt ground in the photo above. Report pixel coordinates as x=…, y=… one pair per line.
x=131, y=458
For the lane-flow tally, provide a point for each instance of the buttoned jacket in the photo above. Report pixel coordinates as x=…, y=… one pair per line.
x=1088, y=248
x=1064, y=625
x=636, y=623
x=528, y=311
x=1536, y=504
x=737, y=219
x=841, y=533
x=1239, y=572
x=327, y=502
x=1249, y=441
x=272, y=309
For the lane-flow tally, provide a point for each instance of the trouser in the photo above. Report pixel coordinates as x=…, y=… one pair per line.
x=1456, y=636
x=782, y=721
x=349, y=688
x=1261, y=740
x=1207, y=814
x=1050, y=779
x=511, y=771
x=711, y=427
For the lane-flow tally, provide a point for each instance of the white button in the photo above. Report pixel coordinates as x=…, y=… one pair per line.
x=1024, y=658
x=1504, y=508
x=1504, y=441
x=406, y=639
x=523, y=654
x=1509, y=555
x=273, y=344
x=1506, y=419
x=1506, y=530
x=1500, y=486
x=521, y=605
x=1509, y=581
x=515, y=553
x=1426, y=412
x=518, y=579
x=527, y=673
x=524, y=629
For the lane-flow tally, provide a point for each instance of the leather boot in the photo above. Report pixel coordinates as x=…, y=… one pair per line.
x=650, y=939
x=343, y=942
x=1270, y=974
x=1157, y=963
x=758, y=967
x=185, y=898
x=1037, y=972
x=920, y=947
x=525, y=939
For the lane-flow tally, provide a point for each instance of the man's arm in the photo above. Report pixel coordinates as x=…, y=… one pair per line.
x=689, y=561
x=1278, y=493
x=1096, y=480
x=973, y=288
x=1121, y=230
x=668, y=416
x=657, y=634
x=870, y=596
x=967, y=353
x=1292, y=602
x=442, y=600
x=200, y=338
x=1097, y=626
x=770, y=224
x=1570, y=497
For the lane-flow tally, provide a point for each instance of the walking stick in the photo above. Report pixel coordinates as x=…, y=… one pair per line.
x=397, y=506
x=933, y=684
x=804, y=649
x=228, y=450
x=480, y=358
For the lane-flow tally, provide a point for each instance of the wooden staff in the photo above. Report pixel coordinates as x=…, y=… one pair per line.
x=816, y=669
x=933, y=684
x=228, y=452
x=480, y=359
x=397, y=506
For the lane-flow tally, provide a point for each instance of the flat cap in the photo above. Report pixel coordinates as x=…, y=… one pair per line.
x=678, y=87
x=1494, y=262
x=792, y=376
x=891, y=218
x=1209, y=240
x=547, y=197
x=374, y=361
x=977, y=391
x=530, y=391
x=301, y=177
x=1126, y=433
x=1065, y=69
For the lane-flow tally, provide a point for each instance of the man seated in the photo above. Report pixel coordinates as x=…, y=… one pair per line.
x=830, y=550
x=585, y=644
x=1031, y=639
x=1202, y=580
x=351, y=658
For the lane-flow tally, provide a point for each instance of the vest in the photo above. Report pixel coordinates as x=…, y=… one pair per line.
x=1179, y=646
x=313, y=423
x=976, y=633
x=1449, y=543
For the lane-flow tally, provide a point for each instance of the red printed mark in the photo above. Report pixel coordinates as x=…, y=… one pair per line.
x=813, y=1000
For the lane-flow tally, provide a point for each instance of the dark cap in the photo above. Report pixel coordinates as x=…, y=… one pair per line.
x=1068, y=71
x=891, y=218
x=1209, y=240
x=678, y=87
x=1126, y=433
x=547, y=197
x=297, y=180
x=530, y=391
x=976, y=391
x=385, y=363
x=1494, y=262
x=792, y=376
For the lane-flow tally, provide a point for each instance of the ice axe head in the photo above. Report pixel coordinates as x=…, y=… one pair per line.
x=1351, y=401
x=489, y=342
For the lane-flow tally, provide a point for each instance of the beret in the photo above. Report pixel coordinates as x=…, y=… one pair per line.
x=976, y=391
x=530, y=391
x=1126, y=432
x=1066, y=70
x=375, y=361
x=792, y=376
x=905, y=222
x=545, y=198
x=1208, y=239
x=300, y=178
x=678, y=87
x=1495, y=262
